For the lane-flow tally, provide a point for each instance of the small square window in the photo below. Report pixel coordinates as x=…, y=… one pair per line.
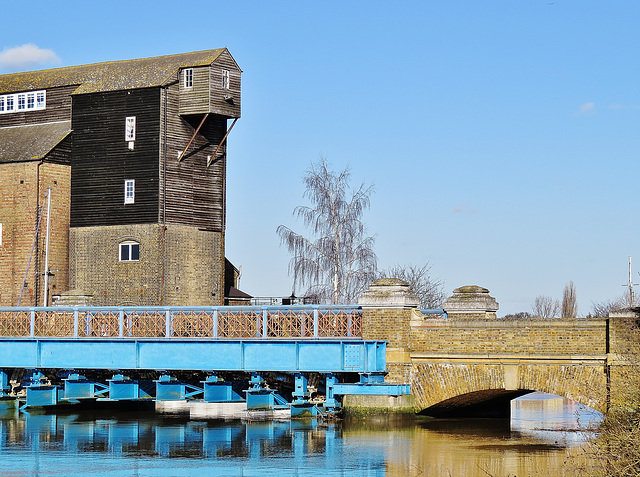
x=225, y=79
x=130, y=129
x=22, y=101
x=188, y=77
x=129, y=191
x=129, y=251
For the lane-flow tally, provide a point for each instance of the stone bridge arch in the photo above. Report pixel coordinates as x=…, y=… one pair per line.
x=444, y=388
x=469, y=355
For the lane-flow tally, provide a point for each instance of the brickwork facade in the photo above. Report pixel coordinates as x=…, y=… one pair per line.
x=24, y=188
x=177, y=265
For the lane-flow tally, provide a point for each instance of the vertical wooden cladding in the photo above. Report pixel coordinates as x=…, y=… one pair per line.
x=207, y=94
x=225, y=101
x=102, y=160
x=193, y=193
x=58, y=109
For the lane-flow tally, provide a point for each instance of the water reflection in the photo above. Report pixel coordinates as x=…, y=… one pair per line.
x=146, y=444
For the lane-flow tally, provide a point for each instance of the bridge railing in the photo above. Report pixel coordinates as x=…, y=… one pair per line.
x=303, y=321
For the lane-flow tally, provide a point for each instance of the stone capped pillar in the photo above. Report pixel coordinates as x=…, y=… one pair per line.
x=386, y=311
x=387, y=307
x=471, y=302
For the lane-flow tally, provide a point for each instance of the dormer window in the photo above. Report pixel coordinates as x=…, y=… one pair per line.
x=31, y=101
x=225, y=79
x=188, y=77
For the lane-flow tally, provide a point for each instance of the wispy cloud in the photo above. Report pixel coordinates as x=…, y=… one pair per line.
x=27, y=55
x=586, y=108
x=464, y=209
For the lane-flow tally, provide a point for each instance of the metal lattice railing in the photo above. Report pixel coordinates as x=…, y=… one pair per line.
x=268, y=322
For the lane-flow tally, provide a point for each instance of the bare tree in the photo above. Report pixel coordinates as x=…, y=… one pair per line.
x=569, y=301
x=336, y=262
x=430, y=290
x=602, y=309
x=545, y=307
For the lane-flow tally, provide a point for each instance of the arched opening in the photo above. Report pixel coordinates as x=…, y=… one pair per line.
x=485, y=403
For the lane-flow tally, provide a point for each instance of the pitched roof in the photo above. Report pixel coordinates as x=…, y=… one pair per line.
x=109, y=76
x=27, y=143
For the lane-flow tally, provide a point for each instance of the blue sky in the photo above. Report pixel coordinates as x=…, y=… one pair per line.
x=501, y=136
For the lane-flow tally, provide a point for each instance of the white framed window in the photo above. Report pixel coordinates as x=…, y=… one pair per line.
x=129, y=251
x=187, y=75
x=225, y=79
x=130, y=129
x=33, y=101
x=129, y=191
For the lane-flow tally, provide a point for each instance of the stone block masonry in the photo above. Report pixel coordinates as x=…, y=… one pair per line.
x=471, y=354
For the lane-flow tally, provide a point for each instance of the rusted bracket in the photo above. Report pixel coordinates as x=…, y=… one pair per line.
x=181, y=155
x=215, y=154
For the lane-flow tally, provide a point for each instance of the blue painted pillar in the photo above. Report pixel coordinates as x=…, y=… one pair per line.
x=301, y=394
x=4, y=384
x=331, y=402
x=302, y=405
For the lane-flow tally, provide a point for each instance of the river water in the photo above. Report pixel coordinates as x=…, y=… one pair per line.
x=545, y=436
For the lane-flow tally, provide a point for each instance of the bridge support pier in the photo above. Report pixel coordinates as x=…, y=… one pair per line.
x=261, y=398
x=124, y=388
x=39, y=392
x=217, y=389
x=4, y=384
x=169, y=388
x=301, y=406
x=77, y=386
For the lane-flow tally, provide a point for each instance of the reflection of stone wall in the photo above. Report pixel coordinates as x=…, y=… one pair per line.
x=178, y=265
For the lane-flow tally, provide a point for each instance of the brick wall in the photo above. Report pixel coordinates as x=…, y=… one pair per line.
x=24, y=188
x=528, y=337
x=178, y=265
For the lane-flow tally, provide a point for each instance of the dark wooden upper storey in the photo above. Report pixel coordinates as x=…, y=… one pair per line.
x=83, y=123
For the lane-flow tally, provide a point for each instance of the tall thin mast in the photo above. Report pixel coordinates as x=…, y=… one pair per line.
x=46, y=250
x=630, y=285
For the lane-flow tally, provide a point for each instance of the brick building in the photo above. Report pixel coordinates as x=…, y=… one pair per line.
x=135, y=155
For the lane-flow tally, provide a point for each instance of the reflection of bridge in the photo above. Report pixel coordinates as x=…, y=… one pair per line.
x=470, y=358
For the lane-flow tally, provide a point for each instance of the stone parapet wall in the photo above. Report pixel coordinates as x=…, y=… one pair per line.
x=529, y=337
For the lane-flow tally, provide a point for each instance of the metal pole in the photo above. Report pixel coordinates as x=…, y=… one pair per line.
x=46, y=250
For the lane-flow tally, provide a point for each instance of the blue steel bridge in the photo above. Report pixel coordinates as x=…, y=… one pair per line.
x=58, y=350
